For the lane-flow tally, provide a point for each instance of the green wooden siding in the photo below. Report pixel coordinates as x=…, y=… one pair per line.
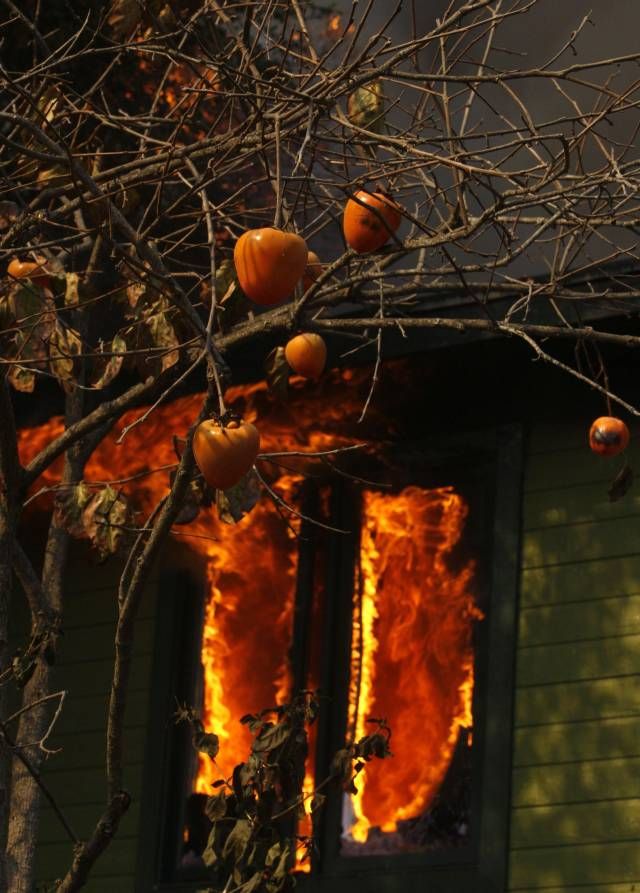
x=575, y=824
x=76, y=775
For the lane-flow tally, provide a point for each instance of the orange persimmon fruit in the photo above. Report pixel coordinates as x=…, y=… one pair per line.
x=224, y=454
x=306, y=354
x=369, y=221
x=608, y=436
x=27, y=269
x=269, y=264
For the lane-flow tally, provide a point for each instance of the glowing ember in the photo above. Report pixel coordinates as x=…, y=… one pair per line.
x=412, y=656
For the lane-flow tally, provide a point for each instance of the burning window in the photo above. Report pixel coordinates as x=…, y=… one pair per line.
x=386, y=610
x=411, y=659
x=412, y=663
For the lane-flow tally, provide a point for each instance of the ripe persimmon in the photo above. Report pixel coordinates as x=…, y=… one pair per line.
x=306, y=354
x=269, y=264
x=26, y=269
x=608, y=436
x=225, y=453
x=370, y=219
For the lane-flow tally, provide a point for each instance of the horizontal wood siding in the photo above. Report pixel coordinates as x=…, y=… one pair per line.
x=76, y=774
x=575, y=825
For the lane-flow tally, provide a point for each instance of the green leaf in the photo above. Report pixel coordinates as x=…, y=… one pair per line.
x=233, y=504
x=365, y=107
x=277, y=374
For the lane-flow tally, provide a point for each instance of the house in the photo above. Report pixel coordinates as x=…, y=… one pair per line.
x=552, y=797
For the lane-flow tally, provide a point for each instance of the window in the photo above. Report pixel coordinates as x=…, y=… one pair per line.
x=411, y=615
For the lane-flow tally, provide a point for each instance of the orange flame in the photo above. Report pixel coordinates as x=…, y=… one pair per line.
x=412, y=651
x=412, y=657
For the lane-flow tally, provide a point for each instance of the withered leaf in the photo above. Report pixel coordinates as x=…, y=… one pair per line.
x=365, y=107
x=621, y=484
x=135, y=290
x=341, y=768
x=233, y=504
x=22, y=379
x=105, y=518
x=216, y=806
x=109, y=369
x=54, y=176
x=374, y=745
x=23, y=666
x=164, y=336
x=225, y=279
x=64, y=345
x=271, y=737
x=281, y=870
x=124, y=16
x=26, y=302
x=207, y=742
x=48, y=103
x=71, y=297
x=9, y=213
x=254, y=883
x=277, y=374
x=70, y=506
x=236, y=842
x=196, y=496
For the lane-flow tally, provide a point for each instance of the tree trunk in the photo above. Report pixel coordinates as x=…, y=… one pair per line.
x=9, y=477
x=25, y=793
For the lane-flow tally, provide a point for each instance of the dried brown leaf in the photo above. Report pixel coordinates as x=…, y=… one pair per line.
x=109, y=369
x=233, y=504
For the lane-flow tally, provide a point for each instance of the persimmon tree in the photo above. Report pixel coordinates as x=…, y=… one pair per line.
x=139, y=140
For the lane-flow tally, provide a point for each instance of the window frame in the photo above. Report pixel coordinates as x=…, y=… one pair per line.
x=480, y=868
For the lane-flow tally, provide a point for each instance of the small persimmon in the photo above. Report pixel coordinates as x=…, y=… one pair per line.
x=608, y=436
x=306, y=354
x=224, y=454
x=269, y=264
x=370, y=219
x=26, y=269
x=313, y=269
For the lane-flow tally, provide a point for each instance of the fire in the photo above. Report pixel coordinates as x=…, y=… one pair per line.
x=412, y=656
